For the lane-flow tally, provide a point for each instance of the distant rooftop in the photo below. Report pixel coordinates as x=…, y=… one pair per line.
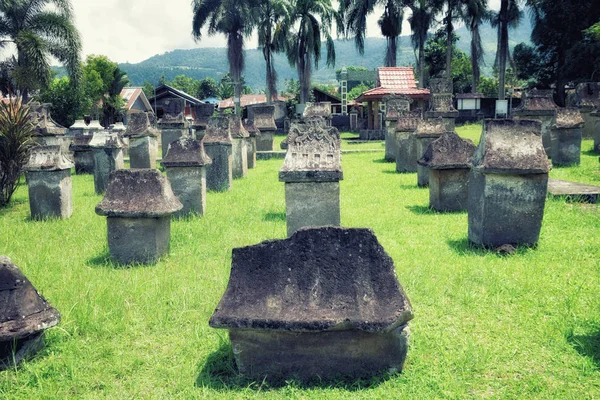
x=394, y=80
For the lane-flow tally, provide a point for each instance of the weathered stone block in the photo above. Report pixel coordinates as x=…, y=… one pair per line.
x=251, y=151
x=82, y=154
x=406, y=154
x=391, y=148
x=427, y=131
x=587, y=95
x=566, y=135
x=539, y=105
x=263, y=119
x=323, y=303
x=218, y=146
x=143, y=144
x=168, y=136
x=596, y=119
x=312, y=204
x=239, y=150
x=138, y=240
x=108, y=157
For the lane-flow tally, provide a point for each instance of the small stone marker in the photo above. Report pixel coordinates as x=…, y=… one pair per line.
x=449, y=162
x=238, y=149
x=143, y=145
x=173, y=124
x=566, y=135
x=263, y=119
x=217, y=144
x=441, y=104
x=396, y=107
x=202, y=113
x=588, y=100
x=49, y=183
x=253, y=135
x=508, y=184
x=312, y=172
x=46, y=131
x=82, y=154
x=324, y=303
x=108, y=157
x=539, y=105
x=185, y=164
x=427, y=131
x=24, y=316
x=138, y=205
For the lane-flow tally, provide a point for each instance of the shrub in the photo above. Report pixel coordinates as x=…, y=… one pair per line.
x=16, y=131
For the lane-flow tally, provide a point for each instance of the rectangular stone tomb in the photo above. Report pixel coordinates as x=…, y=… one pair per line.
x=217, y=145
x=322, y=304
x=263, y=119
x=239, y=148
x=539, y=105
x=108, y=157
x=173, y=125
x=311, y=172
x=143, y=143
x=427, y=131
x=396, y=107
x=566, y=135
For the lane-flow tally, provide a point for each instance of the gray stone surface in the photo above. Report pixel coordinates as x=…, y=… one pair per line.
x=324, y=303
x=24, y=316
x=595, y=115
x=406, y=153
x=49, y=183
x=253, y=135
x=441, y=104
x=396, y=107
x=311, y=204
x=138, y=205
x=574, y=191
x=173, y=125
x=218, y=144
x=108, y=157
x=539, y=105
x=508, y=184
x=321, y=110
x=239, y=150
x=263, y=119
x=202, y=113
x=427, y=131
x=587, y=95
x=82, y=154
x=143, y=144
x=566, y=135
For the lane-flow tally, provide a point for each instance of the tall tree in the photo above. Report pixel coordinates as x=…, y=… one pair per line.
x=233, y=19
x=476, y=12
x=271, y=16
x=508, y=16
x=391, y=28
x=453, y=11
x=420, y=21
x=39, y=29
x=312, y=20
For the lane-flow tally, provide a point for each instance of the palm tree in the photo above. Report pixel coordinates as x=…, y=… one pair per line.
x=233, y=19
x=508, y=16
x=39, y=29
x=453, y=11
x=391, y=27
x=312, y=20
x=271, y=27
x=476, y=12
x=420, y=22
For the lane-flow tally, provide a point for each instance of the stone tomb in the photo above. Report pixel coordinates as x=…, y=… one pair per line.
x=508, y=184
x=108, y=157
x=49, y=183
x=202, y=113
x=539, y=105
x=143, y=144
x=406, y=141
x=264, y=121
x=185, y=164
x=449, y=162
x=396, y=107
x=24, y=316
x=566, y=135
x=173, y=124
x=138, y=205
x=322, y=109
x=253, y=135
x=441, y=104
x=217, y=144
x=82, y=154
x=239, y=150
x=322, y=304
x=427, y=131
x=312, y=172
x=588, y=100
x=46, y=131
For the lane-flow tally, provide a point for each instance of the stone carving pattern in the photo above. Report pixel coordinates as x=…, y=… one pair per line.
x=316, y=144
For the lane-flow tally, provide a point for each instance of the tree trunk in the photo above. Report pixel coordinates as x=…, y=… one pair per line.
x=422, y=64
x=475, y=56
x=503, y=21
x=449, y=44
x=235, y=55
x=271, y=75
x=560, y=80
x=304, y=75
x=391, y=52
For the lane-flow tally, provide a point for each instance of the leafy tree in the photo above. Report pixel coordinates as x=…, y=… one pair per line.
x=185, y=84
x=357, y=90
x=508, y=16
x=68, y=102
x=312, y=20
x=329, y=89
x=527, y=61
x=352, y=84
x=148, y=89
x=207, y=87
x=476, y=12
x=488, y=86
x=435, y=54
x=39, y=29
x=113, y=104
x=231, y=18
x=420, y=21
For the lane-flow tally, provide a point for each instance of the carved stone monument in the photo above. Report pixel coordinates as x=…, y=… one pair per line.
x=185, y=164
x=588, y=100
x=78, y=128
x=138, y=205
x=508, y=184
x=108, y=157
x=539, y=105
x=441, y=104
x=427, y=131
x=566, y=135
x=396, y=107
x=253, y=135
x=24, y=316
x=324, y=303
x=239, y=149
x=173, y=124
x=49, y=183
x=263, y=119
x=82, y=154
x=449, y=162
x=143, y=145
x=322, y=109
x=312, y=172
x=217, y=144
x=46, y=131
x=202, y=113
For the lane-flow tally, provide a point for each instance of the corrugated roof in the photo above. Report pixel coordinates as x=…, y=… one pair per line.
x=131, y=94
x=166, y=90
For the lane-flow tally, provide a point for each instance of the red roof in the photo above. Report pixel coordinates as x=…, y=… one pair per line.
x=248, y=99
x=394, y=80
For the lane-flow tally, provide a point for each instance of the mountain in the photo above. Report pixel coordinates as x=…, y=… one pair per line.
x=203, y=62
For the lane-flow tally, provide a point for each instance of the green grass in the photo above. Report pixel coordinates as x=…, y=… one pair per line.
x=521, y=326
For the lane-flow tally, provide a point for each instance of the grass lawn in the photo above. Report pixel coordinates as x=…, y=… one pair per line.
x=520, y=326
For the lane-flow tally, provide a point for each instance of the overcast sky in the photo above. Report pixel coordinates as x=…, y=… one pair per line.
x=134, y=30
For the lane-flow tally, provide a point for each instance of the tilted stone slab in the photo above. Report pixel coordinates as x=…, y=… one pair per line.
x=566, y=136
x=24, y=316
x=323, y=303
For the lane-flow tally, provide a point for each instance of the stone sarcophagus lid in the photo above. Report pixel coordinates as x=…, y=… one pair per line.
x=263, y=118
x=324, y=303
x=201, y=113
x=427, y=131
x=49, y=183
x=587, y=99
x=173, y=124
x=449, y=162
x=508, y=184
x=24, y=316
x=539, y=105
x=108, y=156
x=143, y=143
x=566, y=135
x=396, y=107
x=312, y=172
x=218, y=144
x=138, y=205
x=239, y=148
x=185, y=164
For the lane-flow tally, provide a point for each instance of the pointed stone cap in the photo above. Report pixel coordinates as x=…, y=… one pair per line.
x=568, y=118
x=139, y=126
x=43, y=123
x=186, y=152
x=450, y=151
x=431, y=127
x=118, y=127
x=48, y=158
x=106, y=140
x=263, y=117
x=320, y=279
x=217, y=131
x=138, y=193
x=236, y=128
x=174, y=115
x=313, y=153
x=202, y=113
x=79, y=125
x=511, y=147
x=95, y=126
x=81, y=143
x=322, y=109
x=537, y=102
x=588, y=95
x=23, y=312
x=252, y=130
